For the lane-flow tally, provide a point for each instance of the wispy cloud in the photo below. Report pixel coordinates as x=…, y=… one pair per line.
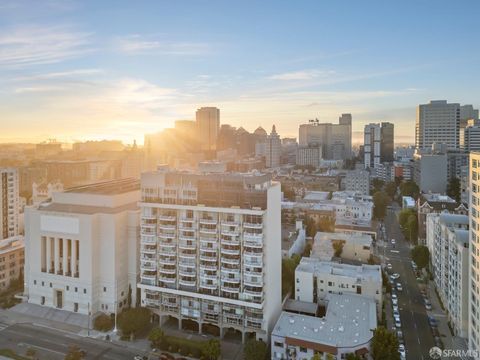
x=302, y=75
x=138, y=44
x=36, y=45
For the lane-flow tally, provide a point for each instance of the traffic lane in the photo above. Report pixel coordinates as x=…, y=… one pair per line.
x=54, y=344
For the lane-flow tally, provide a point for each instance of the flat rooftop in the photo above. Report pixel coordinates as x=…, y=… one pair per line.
x=318, y=267
x=349, y=322
x=11, y=244
x=434, y=197
x=111, y=187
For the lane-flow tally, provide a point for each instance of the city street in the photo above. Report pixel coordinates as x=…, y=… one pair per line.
x=417, y=334
x=50, y=344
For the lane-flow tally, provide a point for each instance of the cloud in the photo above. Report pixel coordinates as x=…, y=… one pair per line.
x=36, y=45
x=302, y=75
x=137, y=44
x=61, y=75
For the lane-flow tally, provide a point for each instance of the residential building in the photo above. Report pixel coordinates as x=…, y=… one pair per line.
x=429, y=203
x=378, y=144
x=315, y=279
x=474, y=255
x=358, y=180
x=9, y=203
x=440, y=122
x=346, y=328
x=470, y=137
x=273, y=149
x=81, y=248
x=208, y=125
x=447, y=240
x=354, y=247
x=44, y=191
x=310, y=155
x=431, y=172
x=210, y=250
x=335, y=139
x=293, y=239
x=12, y=260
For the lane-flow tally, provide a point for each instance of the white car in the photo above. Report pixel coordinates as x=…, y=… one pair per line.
x=393, y=241
x=396, y=314
x=398, y=324
x=399, y=287
x=395, y=302
x=389, y=266
x=395, y=308
x=395, y=276
x=401, y=350
x=394, y=296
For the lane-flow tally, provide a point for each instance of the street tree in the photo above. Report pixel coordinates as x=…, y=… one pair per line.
x=211, y=349
x=421, y=256
x=384, y=345
x=380, y=202
x=255, y=350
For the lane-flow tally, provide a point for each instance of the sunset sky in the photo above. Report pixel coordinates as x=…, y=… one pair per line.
x=76, y=70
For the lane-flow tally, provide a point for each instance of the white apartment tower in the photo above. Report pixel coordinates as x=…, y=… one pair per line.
x=81, y=248
x=9, y=202
x=210, y=250
x=378, y=144
x=474, y=240
x=273, y=149
x=208, y=126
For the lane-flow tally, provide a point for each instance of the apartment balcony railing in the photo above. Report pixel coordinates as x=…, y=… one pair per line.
x=167, y=279
x=148, y=217
x=207, y=231
x=187, y=264
x=252, y=237
x=252, y=253
x=255, y=242
x=185, y=282
x=226, y=280
x=230, y=242
x=209, y=247
x=230, y=269
x=187, y=244
x=252, y=262
x=152, y=303
x=253, y=292
x=148, y=249
x=251, y=225
x=148, y=239
x=187, y=272
x=230, y=223
x=146, y=232
x=208, y=266
x=208, y=221
x=205, y=285
x=167, y=227
x=253, y=281
x=186, y=228
x=148, y=266
x=148, y=277
x=233, y=252
x=187, y=256
x=208, y=240
x=187, y=220
x=148, y=225
x=230, y=233
x=165, y=236
x=230, y=261
x=167, y=218
x=213, y=317
x=166, y=252
x=230, y=289
x=148, y=281
x=167, y=261
x=169, y=271
x=184, y=237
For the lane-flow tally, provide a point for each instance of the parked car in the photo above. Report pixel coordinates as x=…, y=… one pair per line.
x=399, y=287
x=414, y=265
x=395, y=276
x=398, y=324
x=428, y=304
x=393, y=241
x=402, y=351
x=395, y=308
x=432, y=322
x=395, y=302
x=389, y=266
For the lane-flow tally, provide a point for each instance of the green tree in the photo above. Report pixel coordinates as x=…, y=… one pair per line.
x=156, y=337
x=377, y=184
x=380, y=202
x=255, y=350
x=103, y=322
x=74, y=353
x=384, y=345
x=352, y=356
x=421, y=256
x=134, y=320
x=317, y=356
x=211, y=349
x=409, y=188
x=310, y=226
x=453, y=189
x=391, y=189
x=412, y=228
x=338, y=248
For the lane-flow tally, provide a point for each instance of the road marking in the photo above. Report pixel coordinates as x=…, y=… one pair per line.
x=42, y=348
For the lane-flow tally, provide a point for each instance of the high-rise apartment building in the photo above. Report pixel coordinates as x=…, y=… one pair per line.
x=9, y=206
x=474, y=241
x=273, y=149
x=335, y=139
x=470, y=136
x=309, y=156
x=378, y=144
x=81, y=248
x=210, y=250
x=441, y=122
x=208, y=126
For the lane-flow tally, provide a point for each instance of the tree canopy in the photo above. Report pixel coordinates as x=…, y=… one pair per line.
x=409, y=223
x=288, y=274
x=421, y=256
x=380, y=202
x=255, y=350
x=384, y=345
x=409, y=188
x=453, y=189
x=211, y=349
x=134, y=320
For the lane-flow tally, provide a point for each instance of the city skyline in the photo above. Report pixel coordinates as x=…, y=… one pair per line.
x=81, y=78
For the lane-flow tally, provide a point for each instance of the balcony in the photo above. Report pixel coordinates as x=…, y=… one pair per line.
x=207, y=231
x=208, y=247
x=187, y=273
x=148, y=249
x=187, y=264
x=147, y=232
x=187, y=256
x=230, y=223
x=187, y=220
x=148, y=266
x=253, y=281
x=230, y=242
x=254, y=254
x=252, y=237
x=208, y=240
x=187, y=282
x=231, y=289
x=167, y=227
x=251, y=225
x=168, y=237
x=167, y=279
x=230, y=233
x=252, y=262
x=148, y=240
x=227, y=281
x=148, y=281
x=254, y=243
x=230, y=270
x=187, y=245
x=230, y=261
x=209, y=267
x=230, y=251
x=152, y=303
x=206, y=276
x=165, y=270
x=208, y=221
x=149, y=277
x=167, y=252
x=167, y=261
x=186, y=238
x=205, y=285
x=253, y=292
x=167, y=218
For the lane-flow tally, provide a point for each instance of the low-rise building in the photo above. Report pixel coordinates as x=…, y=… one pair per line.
x=346, y=328
x=354, y=247
x=315, y=279
x=81, y=248
x=358, y=181
x=293, y=239
x=12, y=260
x=310, y=155
x=447, y=241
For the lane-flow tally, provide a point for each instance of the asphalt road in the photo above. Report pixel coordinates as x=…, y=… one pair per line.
x=416, y=330
x=52, y=344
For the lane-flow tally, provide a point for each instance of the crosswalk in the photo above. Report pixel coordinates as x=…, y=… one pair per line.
x=3, y=326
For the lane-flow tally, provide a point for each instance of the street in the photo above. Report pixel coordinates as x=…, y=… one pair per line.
x=52, y=344
x=416, y=330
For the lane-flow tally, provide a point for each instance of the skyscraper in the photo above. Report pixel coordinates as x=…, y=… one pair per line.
x=210, y=252
x=378, y=144
x=334, y=139
x=208, y=125
x=9, y=198
x=440, y=122
x=273, y=149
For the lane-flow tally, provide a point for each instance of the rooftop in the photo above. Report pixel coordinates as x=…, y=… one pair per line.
x=349, y=322
x=435, y=197
x=451, y=219
x=111, y=187
x=317, y=266
x=12, y=243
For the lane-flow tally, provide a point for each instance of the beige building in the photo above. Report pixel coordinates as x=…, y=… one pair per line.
x=208, y=126
x=11, y=260
x=355, y=246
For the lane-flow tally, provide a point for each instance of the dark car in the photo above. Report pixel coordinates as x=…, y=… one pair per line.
x=432, y=321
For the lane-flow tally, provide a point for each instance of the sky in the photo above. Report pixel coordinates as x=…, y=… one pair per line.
x=77, y=70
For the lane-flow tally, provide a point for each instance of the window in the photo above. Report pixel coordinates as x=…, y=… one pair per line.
x=302, y=349
x=34, y=282
x=42, y=301
x=51, y=285
x=75, y=307
x=104, y=289
x=76, y=289
x=68, y=287
x=278, y=344
x=84, y=291
x=43, y=283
